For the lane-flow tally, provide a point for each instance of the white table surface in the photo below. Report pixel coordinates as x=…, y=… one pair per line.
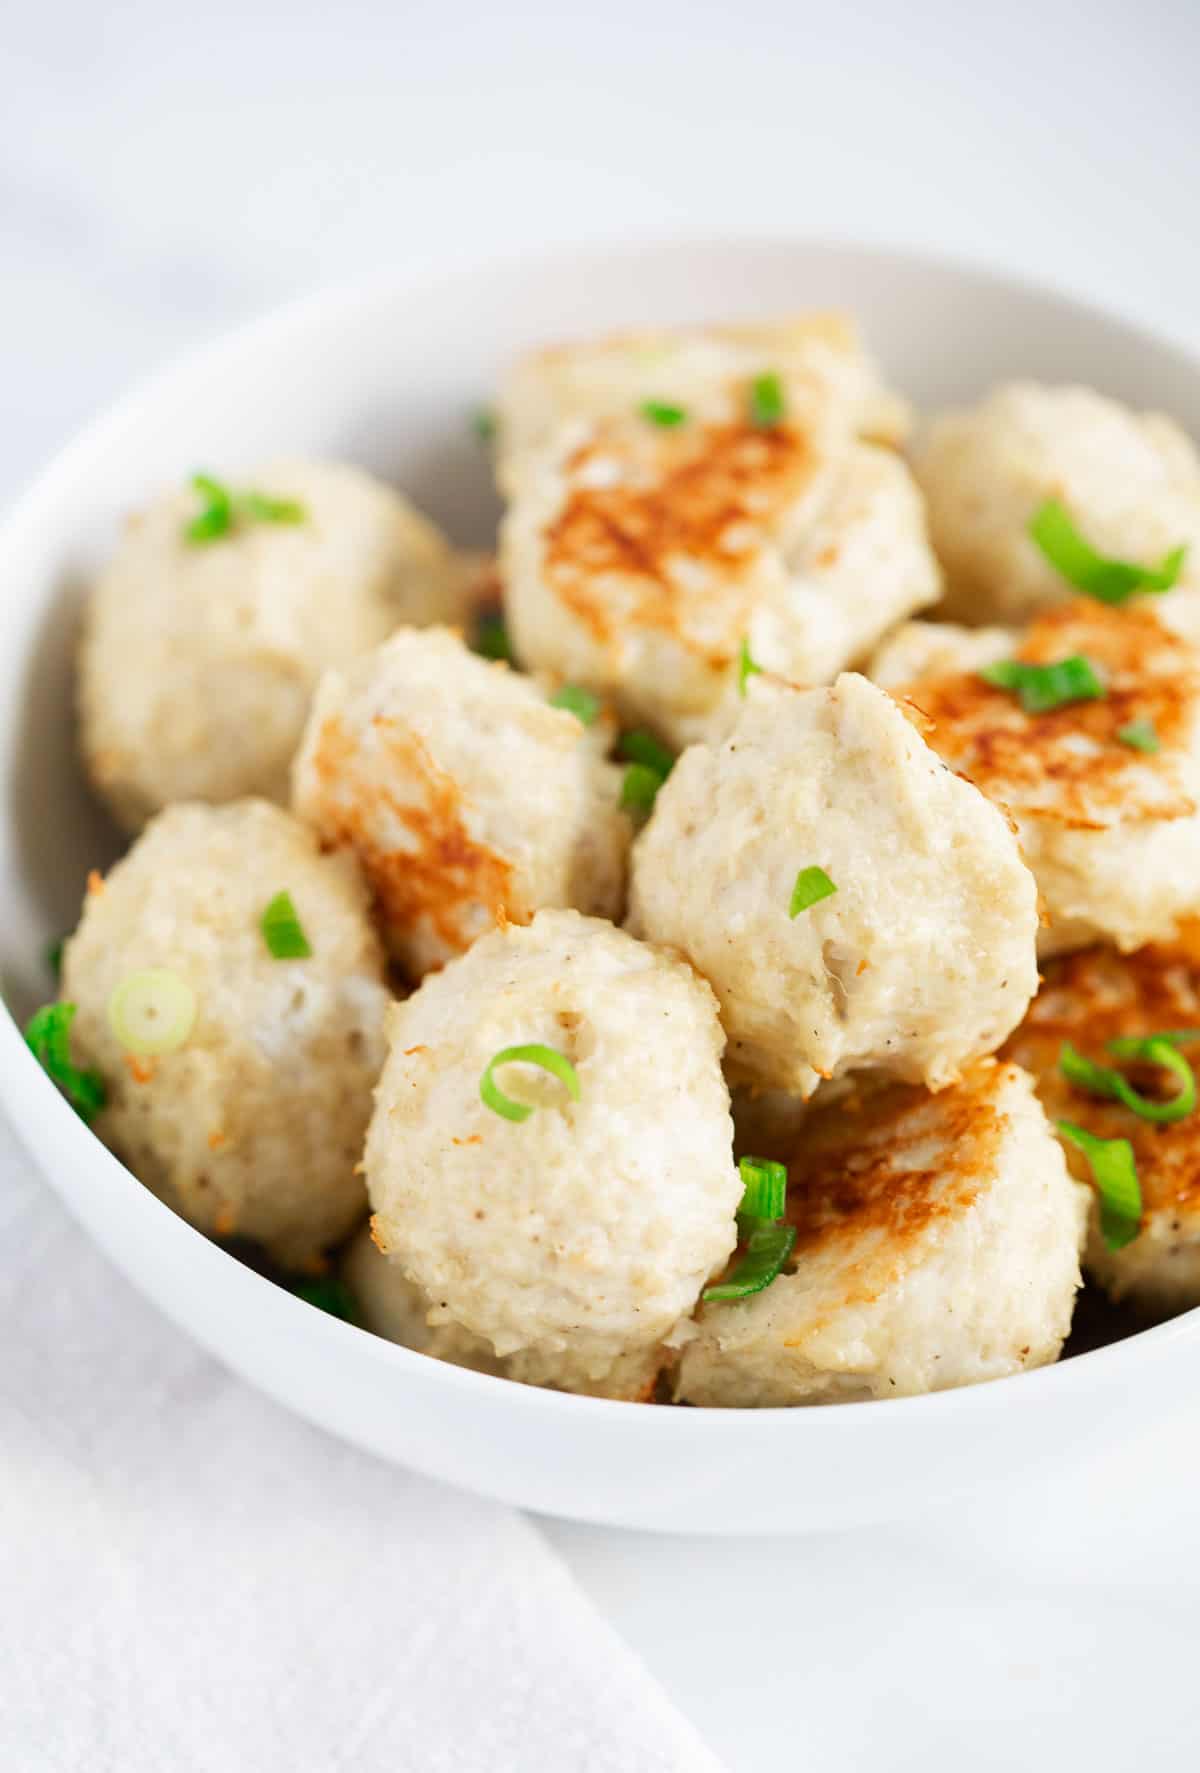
x=167, y=170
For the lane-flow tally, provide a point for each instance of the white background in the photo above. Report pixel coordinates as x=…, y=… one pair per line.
x=167, y=170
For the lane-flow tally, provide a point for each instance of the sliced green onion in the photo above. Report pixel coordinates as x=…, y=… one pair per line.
x=767, y=1249
x=48, y=1036
x=1111, y=581
x=282, y=930
x=490, y=639
x=557, y=1064
x=1139, y=735
x=639, y=788
x=483, y=423
x=152, y=1011
x=1042, y=688
x=812, y=885
x=764, y=1188
x=1114, y=1173
x=1103, y=1080
x=660, y=412
x=577, y=701
x=767, y=403
x=643, y=747
x=746, y=666
x=330, y=1294
x=216, y=518
x=264, y=509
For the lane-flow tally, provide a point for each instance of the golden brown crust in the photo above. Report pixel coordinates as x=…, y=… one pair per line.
x=670, y=545
x=1069, y=765
x=442, y=875
x=1095, y=996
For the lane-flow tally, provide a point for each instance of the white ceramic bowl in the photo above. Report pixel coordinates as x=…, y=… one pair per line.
x=386, y=375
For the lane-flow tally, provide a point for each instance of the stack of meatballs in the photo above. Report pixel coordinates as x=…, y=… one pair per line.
x=739, y=866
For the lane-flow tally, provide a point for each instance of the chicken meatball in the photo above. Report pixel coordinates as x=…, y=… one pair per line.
x=851, y=902
x=937, y=1244
x=251, y=1120
x=1091, y=998
x=200, y=652
x=391, y=1306
x=819, y=357
x=1130, y=481
x=468, y=800
x=1105, y=792
x=657, y=564
x=570, y=1217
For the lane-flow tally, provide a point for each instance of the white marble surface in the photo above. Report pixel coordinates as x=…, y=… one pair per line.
x=167, y=170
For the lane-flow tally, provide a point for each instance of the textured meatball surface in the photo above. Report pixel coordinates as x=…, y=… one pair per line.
x=199, y=659
x=937, y=1244
x=254, y=1126
x=468, y=800
x=923, y=957
x=390, y=1306
x=575, y=1240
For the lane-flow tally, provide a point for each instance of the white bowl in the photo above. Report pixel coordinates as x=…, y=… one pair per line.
x=386, y=375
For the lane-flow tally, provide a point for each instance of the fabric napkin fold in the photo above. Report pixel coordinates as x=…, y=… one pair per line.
x=195, y=1581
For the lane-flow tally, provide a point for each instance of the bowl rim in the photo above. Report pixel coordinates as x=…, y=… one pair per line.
x=27, y=1095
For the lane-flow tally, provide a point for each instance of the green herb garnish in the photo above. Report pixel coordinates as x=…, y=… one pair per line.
x=1042, y=688
x=330, y=1294
x=1103, y=1080
x=643, y=747
x=764, y=1189
x=660, y=412
x=1111, y=581
x=282, y=931
x=48, y=1036
x=577, y=701
x=557, y=1064
x=152, y=1011
x=639, y=788
x=1139, y=735
x=746, y=666
x=1114, y=1173
x=812, y=885
x=483, y=423
x=223, y=508
x=54, y=956
x=767, y=403
x=490, y=639
x=767, y=1249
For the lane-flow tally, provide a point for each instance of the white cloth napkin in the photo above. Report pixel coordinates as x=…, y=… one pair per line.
x=192, y=1580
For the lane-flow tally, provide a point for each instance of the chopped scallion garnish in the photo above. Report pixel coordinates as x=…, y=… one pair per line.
x=764, y=1189
x=812, y=885
x=1114, y=1173
x=643, y=747
x=746, y=666
x=48, y=1036
x=490, y=639
x=1042, y=688
x=639, y=788
x=557, y=1064
x=1103, y=1080
x=329, y=1293
x=1139, y=735
x=577, y=701
x=152, y=1012
x=282, y=930
x=223, y=507
x=264, y=509
x=661, y=412
x=1111, y=581
x=767, y=1249
x=767, y=403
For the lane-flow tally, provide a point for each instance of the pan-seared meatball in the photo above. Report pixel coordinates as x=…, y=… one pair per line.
x=201, y=651
x=1130, y=481
x=937, y=1244
x=1110, y=828
x=819, y=358
x=250, y=1122
x=656, y=564
x=576, y=1237
x=851, y=902
x=468, y=800
x=390, y=1305
x=1091, y=998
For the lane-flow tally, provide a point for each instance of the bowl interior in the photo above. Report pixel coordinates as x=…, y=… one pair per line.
x=388, y=376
